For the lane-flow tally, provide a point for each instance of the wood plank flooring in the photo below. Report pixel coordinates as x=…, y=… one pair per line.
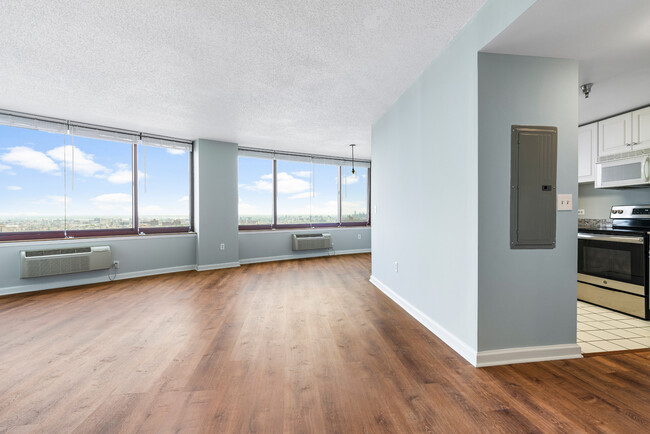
x=294, y=346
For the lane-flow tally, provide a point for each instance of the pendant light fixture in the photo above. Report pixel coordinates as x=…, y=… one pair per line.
x=352, y=147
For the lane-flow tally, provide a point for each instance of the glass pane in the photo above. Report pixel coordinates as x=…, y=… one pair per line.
x=324, y=203
x=99, y=183
x=255, y=191
x=31, y=181
x=294, y=192
x=163, y=187
x=354, y=195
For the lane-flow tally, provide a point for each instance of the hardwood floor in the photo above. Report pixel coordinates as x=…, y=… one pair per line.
x=295, y=346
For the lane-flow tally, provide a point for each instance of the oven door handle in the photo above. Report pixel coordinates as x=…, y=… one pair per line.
x=612, y=238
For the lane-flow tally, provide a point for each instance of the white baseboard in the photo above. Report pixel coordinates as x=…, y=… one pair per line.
x=97, y=279
x=467, y=352
x=509, y=356
x=300, y=256
x=217, y=266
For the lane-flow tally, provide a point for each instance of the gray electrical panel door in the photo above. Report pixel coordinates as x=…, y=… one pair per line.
x=533, y=187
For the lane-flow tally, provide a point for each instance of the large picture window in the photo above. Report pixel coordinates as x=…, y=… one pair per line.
x=61, y=179
x=306, y=192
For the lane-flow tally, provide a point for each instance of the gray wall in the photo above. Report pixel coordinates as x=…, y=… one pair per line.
x=425, y=182
x=259, y=246
x=597, y=203
x=138, y=256
x=215, y=203
x=525, y=297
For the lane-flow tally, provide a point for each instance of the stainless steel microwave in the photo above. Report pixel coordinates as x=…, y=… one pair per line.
x=628, y=172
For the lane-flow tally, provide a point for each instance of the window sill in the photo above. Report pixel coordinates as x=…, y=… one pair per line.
x=96, y=238
x=322, y=229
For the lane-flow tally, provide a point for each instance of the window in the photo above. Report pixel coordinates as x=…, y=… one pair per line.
x=163, y=186
x=31, y=181
x=255, y=191
x=307, y=192
x=60, y=179
x=99, y=182
x=354, y=195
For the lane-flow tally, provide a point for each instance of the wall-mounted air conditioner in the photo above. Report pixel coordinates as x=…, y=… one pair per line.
x=311, y=241
x=38, y=263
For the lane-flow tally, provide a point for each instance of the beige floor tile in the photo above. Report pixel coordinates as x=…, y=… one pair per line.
x=615, y=315
x=587, y=337
x=585, y=327
x=607, y=346
x=642, y=331
x=599, y=325
x=588, y=348
x=615, y=324
x=628, y=344
x=595, y=317
x=604, y=335
x=643, y=341
x=634, y=322
x=625, y=333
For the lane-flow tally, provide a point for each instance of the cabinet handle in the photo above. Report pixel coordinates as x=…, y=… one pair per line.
x=628, y=144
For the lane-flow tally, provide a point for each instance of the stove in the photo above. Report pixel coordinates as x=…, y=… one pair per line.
x=613, y=266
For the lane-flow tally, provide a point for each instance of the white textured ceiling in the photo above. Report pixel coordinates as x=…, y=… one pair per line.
x=299, y=75
x=609, y=38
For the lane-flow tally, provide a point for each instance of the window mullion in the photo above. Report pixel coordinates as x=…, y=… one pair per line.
x=134, y=166
x=275, y=193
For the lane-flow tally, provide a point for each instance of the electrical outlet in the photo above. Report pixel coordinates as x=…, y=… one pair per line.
x=564, y=202
x=358, y=236
x=222, y=246
x=581, y=212
x=396, y=267
x=116, y=264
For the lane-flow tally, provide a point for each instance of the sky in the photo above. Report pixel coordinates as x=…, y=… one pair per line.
x=98, y=183
x=295, y=195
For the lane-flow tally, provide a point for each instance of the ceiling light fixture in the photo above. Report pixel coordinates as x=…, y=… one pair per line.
x=352, y=146
x=586, y=89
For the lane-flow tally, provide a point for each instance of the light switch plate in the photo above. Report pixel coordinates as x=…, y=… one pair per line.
x=564, y=202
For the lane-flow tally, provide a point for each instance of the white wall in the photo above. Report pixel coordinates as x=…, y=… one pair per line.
x=425, y=186
x=526, y=298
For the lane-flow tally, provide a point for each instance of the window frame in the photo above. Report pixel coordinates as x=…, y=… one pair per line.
x=338, y=224
x=134, y=229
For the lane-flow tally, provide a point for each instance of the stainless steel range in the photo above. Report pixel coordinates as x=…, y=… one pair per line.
x=613, y=267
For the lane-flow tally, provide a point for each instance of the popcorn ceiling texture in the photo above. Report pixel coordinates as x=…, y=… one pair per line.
x=309, y=76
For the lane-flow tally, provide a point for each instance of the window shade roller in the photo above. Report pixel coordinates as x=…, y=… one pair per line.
x=270, y=155
x=253, y=153
x=166, y=143
x=96, y=133
x=33, y=123
x=341, y=162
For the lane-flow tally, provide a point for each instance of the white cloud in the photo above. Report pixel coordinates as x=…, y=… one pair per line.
x=351, y=207
x=4, y=167
x=184, y=199
x=14, y=188
x=287, y=184
x=302, y=174
x=29, y=158
x=113, y=202
x=350, y=179
x=176, y=151
x=120, y=177
x=246, y=208
x=303, y=195
x=84, y=164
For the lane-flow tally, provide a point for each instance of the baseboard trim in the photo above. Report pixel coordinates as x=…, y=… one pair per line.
x=217, y=266
x=89, y=281
x=301, y=256
x=467, y=352
x=510, y=356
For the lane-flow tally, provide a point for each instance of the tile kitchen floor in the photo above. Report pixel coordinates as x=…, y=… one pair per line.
x=601, y=329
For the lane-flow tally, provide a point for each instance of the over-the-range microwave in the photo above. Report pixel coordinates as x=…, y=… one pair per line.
x=627, y=172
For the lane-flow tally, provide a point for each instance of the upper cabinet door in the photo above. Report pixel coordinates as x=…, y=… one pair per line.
x=641, y=128
x=587, y=152
x=615, y=135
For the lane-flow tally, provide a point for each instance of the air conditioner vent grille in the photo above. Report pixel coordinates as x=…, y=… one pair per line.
x=38, y=263
x=311, y=241
x=35, y=253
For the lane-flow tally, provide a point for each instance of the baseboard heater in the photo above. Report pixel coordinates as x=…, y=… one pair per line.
x=311, y=241
x=38, y=263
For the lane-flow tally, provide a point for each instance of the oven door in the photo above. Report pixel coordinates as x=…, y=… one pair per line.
x=612, y=261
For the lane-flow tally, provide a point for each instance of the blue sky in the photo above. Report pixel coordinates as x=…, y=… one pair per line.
x=294, y=188
x=32, y=182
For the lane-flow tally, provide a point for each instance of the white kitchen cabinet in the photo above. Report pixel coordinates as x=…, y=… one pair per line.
x=641, y=128
x=615, y=135
x=587, y=152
